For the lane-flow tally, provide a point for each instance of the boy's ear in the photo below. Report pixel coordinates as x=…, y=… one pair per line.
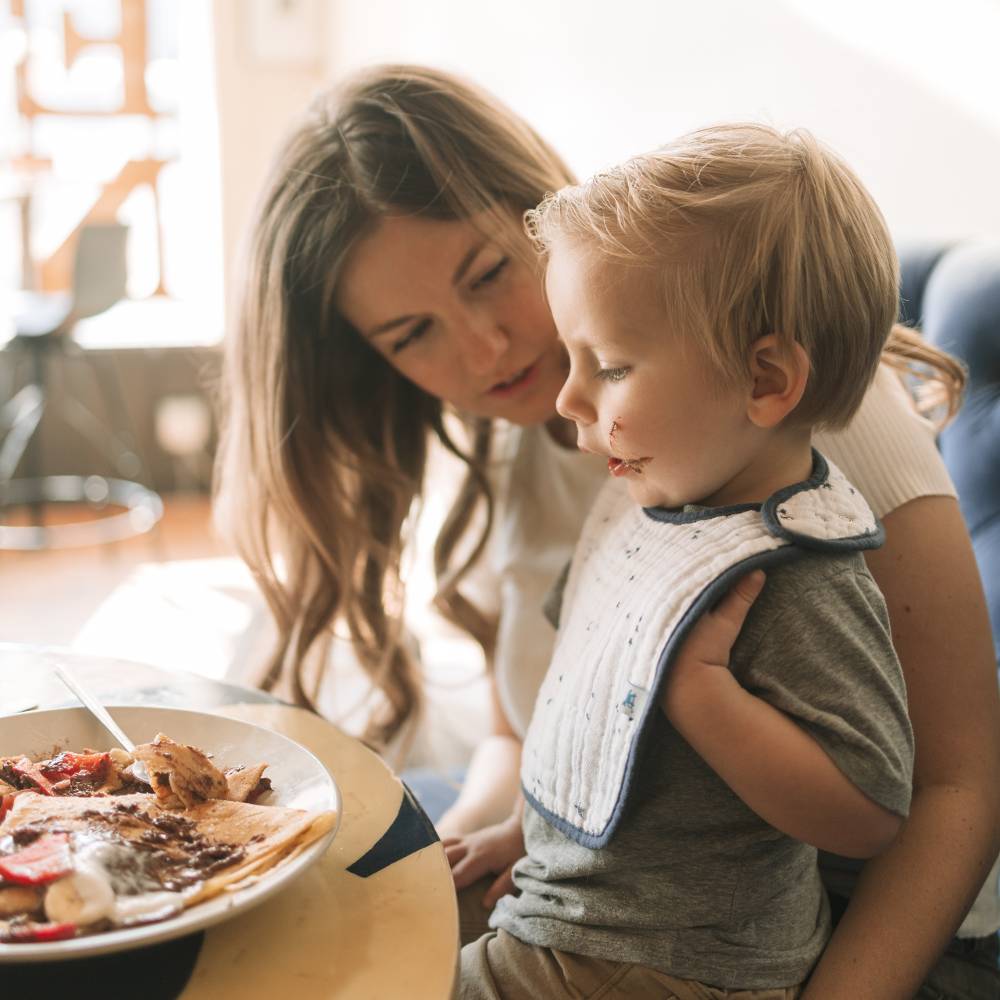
x=778, y=376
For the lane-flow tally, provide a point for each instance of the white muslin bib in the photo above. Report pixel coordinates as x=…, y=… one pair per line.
x=640, y=578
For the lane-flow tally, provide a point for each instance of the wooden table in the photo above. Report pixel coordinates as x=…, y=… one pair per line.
x=376, y=918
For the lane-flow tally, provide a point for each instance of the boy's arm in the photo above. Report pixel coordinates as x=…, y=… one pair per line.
x=831, y=724
x=775, y=767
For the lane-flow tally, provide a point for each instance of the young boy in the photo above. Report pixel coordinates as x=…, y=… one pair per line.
x=719, y=299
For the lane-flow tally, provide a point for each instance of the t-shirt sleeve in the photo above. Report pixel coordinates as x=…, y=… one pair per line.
x=817, y=646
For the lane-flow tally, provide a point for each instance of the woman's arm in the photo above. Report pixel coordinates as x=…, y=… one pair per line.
x=492, y=783
x=911, y=899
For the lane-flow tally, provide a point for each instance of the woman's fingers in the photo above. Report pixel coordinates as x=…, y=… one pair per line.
x=503, y=886
x=473, y=865
x=455, y=851
x=469, y=870
x=490, y=851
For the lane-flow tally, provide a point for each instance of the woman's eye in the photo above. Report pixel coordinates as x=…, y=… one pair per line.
x=415, y=334
x=612, y=374
x=492, y=274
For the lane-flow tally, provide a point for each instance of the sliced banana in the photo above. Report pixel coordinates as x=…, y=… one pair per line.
x=121, y=758
x=82, y=897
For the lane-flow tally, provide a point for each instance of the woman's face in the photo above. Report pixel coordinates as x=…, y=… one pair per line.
x=457, y=315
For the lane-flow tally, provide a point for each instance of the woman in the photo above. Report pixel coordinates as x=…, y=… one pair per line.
x=392, y=296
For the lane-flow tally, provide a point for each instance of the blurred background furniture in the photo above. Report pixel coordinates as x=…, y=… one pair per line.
x=952, y=293
x=44, y=325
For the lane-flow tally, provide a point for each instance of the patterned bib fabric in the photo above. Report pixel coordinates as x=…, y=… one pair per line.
x=640, y=578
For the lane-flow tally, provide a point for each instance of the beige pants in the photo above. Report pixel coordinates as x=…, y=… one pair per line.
x=497, y=966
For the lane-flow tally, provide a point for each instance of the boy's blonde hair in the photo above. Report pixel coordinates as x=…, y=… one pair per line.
x=749, y=231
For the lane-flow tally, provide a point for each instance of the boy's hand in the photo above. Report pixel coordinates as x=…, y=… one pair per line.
x=492, y=850
x=701, y=672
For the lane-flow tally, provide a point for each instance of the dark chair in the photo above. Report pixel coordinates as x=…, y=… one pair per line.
x=43, y=327
x=952, y=292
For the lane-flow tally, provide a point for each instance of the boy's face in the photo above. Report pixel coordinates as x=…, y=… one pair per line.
x=642, y=397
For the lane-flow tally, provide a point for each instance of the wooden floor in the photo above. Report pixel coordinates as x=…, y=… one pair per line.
x=47, y=596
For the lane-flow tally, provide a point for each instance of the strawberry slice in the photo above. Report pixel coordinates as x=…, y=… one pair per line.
x=47, y=859
x=6, y=804
x=24, y=933
x=67, y=765
x=24, y=768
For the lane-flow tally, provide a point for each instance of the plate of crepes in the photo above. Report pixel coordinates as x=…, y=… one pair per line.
x=103, y=850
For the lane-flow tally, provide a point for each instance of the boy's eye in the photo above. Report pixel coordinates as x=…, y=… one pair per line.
x=612, y=374
x=491, y=275
x=415, y=333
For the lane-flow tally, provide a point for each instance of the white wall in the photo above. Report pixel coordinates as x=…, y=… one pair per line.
x=908, y=92
x=261, y=86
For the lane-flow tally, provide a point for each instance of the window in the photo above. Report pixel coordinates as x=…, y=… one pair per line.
x=107, y=113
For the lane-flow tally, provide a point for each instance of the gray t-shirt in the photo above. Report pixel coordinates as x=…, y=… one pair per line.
x=694, y=883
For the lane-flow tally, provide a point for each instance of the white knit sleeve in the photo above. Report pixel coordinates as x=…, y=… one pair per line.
x=888, y=450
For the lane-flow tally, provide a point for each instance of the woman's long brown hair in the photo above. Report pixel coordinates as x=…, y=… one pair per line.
x=938, y=378
x=324, y=445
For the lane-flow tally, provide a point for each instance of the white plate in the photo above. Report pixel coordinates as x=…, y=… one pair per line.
x=300, y=781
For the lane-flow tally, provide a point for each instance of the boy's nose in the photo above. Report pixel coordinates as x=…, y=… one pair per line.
x=572, y=404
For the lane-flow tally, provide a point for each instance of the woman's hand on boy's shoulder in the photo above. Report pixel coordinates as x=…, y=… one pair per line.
x=494, y=850
x=700, y=672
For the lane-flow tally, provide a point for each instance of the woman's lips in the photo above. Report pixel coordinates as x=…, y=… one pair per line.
x=515, y=383
x=623, y=466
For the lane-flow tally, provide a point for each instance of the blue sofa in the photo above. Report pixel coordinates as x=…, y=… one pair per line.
x=952, y=292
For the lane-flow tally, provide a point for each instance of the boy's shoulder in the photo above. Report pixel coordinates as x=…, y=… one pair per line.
x=811, y=570
x=809, y=601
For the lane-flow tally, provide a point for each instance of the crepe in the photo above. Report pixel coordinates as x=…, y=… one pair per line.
x=179, y=775
x=130, y=849
x=180, y=771
x=244, y=784
x=256, y=838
